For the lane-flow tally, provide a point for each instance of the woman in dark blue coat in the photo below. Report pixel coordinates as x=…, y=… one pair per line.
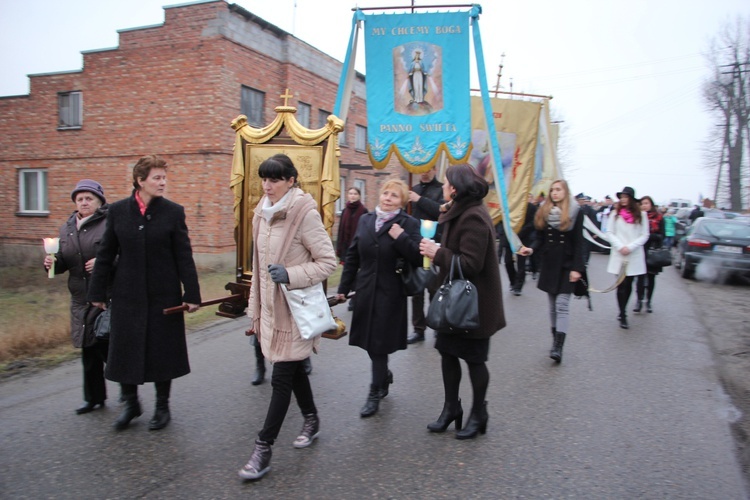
x=148, y=234
x=379, y=321
x=560, y=244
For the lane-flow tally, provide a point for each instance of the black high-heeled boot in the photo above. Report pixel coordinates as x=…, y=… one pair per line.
x=638, y=306
x=372, y=404
x=452, y=411
x=648, y=307
x=131, y=410
x=477, y=423
x=388, y=382
x=557, y=348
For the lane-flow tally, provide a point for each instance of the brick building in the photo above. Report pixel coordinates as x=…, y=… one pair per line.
x=171, y=89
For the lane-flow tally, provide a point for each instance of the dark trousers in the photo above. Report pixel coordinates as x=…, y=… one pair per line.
x=516, y=269
x=418, y=320
x=379, y=369
x=162, y=390
x=93, y=359
x=288, y=377
x=644, y=286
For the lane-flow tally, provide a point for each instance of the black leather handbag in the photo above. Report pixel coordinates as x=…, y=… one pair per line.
x=455, y=306
x=658, y=257
x=415, y=279
x=102, y=325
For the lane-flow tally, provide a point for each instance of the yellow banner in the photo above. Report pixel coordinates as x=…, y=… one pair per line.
x=517, y=124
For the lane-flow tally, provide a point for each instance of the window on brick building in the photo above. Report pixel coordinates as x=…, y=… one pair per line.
x=70, y=110
x=252, y=103
x=32, y=191
x=360, y=184
x=342, y=137
x=341, y=202
x=303, y=114
x=323, y=117
x=360, y=140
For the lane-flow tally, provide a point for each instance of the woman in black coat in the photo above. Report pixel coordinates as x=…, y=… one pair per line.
x=79, y=241
x=645, y=283
x=148, y=234
x=469, y=234
x=560, y=244
x=379, y=321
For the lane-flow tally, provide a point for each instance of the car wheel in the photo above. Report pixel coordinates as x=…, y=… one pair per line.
x=686, y=271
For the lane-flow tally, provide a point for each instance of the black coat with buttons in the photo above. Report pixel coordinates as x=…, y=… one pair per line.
x=155, y=264
x=559, y=253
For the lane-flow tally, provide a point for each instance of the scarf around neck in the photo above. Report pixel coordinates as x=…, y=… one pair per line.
x=383, y=217
x=626, y=215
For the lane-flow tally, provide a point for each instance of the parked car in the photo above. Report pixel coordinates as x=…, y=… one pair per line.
x=724, y=243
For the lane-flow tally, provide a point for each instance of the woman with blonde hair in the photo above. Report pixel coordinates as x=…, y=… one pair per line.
x=560, y=244
x=379, y=321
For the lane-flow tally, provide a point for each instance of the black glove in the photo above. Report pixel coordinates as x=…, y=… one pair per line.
x=278, y=273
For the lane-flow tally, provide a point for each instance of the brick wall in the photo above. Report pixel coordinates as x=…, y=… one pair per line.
x=170, y=89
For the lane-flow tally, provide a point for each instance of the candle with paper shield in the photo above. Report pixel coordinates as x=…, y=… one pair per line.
x=51, y=247
x=427, y=230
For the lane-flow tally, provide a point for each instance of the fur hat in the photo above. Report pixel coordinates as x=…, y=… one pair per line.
x=90, y=186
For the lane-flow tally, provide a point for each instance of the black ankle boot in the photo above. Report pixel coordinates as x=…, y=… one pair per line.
x=161, y=415
x=373, y=402
x=638, y=306
x=131, y=410
x=623, y=321
x=388, y=382
x=477, y=423
x=557, y=348
x=452, y=411
x=648, y=307
x=260, y=366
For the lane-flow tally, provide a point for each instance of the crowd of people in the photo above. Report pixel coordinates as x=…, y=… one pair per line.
x=134, y=256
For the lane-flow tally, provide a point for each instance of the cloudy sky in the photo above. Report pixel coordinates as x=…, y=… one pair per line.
x=625, y=77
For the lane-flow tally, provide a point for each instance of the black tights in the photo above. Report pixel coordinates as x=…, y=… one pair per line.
x=379, y=369
x=162, y=389
x=478, y=374
x=624, y=290
x=645, y=282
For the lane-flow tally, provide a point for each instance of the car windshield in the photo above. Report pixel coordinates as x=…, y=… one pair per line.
x=723, y=230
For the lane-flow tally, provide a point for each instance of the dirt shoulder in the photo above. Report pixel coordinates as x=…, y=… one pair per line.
x=725, y=314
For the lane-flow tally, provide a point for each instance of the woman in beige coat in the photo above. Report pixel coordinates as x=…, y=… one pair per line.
x=290, y=248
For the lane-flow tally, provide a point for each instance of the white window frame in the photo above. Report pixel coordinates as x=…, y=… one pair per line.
x=255, y=114
x=303, y=114
x=69, y=110
x=360, y=139
x=38, y=178
x=341, y=202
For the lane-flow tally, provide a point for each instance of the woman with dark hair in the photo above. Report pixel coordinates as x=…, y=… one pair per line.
x=627, y=232
x=379, y=322
x=655, y=240
x=290, y=248
x=79, y=241
x=468, y=233
x=148, y=235
x=559, y=244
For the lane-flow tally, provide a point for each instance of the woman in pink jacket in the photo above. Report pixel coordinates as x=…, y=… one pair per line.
x=290, y=247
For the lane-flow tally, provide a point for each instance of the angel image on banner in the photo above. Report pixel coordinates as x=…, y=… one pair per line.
x=417, y=78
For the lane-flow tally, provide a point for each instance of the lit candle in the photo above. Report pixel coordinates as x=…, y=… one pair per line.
x=51, y=247
x=427, y=229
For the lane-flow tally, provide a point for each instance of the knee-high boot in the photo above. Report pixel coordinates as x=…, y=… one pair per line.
x=161, y=413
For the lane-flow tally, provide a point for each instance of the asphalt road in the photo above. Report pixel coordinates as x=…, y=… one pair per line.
x=633, y=413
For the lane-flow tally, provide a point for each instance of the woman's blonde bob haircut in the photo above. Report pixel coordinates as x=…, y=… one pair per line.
x=399, y=186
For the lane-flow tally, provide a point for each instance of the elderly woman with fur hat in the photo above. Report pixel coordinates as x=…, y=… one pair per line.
x=79, y=241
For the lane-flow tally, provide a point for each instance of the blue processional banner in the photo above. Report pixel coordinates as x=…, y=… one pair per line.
x=418, y=93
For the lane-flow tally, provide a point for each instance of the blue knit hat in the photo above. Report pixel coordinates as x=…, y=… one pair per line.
x=90, y=186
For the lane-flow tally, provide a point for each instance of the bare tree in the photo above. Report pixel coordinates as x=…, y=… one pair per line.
x=727, y=95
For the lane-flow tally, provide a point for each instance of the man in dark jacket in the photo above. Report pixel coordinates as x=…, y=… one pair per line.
x=516, y=269
x=425, y=199
x=588, y=211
